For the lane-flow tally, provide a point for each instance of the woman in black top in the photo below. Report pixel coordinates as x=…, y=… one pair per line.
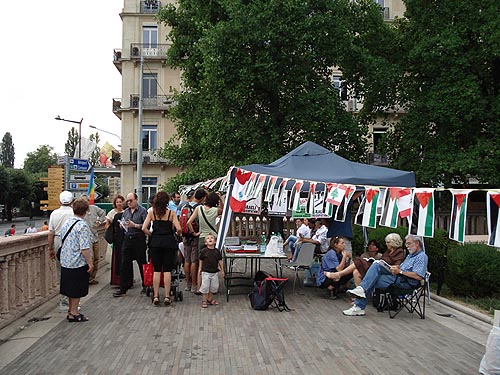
x=162, y=243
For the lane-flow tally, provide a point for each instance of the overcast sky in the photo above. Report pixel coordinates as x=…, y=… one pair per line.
x=57, y=59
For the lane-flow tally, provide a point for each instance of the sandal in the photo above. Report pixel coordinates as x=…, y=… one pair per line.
x=204, y=304
x=77, y=318
x=167, y=301
x=213, y=302
x=156, y=301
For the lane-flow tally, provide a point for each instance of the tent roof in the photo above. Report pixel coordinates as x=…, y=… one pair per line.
x=313, y=162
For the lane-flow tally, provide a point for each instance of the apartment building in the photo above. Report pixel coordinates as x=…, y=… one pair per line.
x=145, y=77
x=143, y=55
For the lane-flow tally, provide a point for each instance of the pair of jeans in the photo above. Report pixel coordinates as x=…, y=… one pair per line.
x=376, y=277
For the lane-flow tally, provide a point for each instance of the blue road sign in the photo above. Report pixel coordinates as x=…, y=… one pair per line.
x=78, y=164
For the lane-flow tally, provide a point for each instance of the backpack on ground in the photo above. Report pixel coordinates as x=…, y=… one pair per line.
x=268, y=291
x=383, y=301
x=186, y=212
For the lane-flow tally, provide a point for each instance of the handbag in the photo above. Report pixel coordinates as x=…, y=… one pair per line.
x=58, y=255
x=148, y=271
x=108, y=234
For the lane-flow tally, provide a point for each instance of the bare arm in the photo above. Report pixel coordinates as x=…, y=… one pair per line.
x=88, y=258
x=176, y=223
x=145, y=225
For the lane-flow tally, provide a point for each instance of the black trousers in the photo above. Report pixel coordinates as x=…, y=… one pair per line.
x=134, y=248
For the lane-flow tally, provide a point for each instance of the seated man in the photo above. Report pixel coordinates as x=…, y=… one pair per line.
x=413, y=268
x=318, y=238
x=303, y=231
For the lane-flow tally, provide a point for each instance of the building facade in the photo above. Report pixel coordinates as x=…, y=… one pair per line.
x=145, y=77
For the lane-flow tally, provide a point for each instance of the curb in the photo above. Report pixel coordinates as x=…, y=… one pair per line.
x=463, y=309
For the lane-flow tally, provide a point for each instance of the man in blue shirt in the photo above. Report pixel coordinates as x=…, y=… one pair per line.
x=174, y=204
x=414, y=268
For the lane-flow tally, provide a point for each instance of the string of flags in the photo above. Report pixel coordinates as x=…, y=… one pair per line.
x=382, y=206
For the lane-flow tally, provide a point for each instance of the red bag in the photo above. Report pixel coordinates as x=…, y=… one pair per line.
x=148, y=270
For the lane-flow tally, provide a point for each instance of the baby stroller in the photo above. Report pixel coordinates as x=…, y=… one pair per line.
x=175, y=290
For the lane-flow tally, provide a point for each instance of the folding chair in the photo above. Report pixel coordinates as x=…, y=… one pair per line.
x=303, y=261
x=276, y=287
x=411, y=299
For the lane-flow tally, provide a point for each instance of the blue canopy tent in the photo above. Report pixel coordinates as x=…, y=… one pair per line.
x=312, y=162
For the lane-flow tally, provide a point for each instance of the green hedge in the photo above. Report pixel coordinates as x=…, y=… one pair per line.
x=435, y=247
x=473, y=270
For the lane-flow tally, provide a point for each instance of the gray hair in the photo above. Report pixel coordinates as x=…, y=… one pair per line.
x=394, y=240
x=416, y=238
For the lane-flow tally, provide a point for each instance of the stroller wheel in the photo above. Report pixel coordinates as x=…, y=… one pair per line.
x=180, y=296
x=175, y=297
x=148, y=291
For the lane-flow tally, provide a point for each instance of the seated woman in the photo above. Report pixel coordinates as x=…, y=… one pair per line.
x=334, y=261
x=394, y=255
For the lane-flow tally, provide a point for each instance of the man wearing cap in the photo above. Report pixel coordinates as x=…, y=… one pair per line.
x=56, y=221
x=134, y=243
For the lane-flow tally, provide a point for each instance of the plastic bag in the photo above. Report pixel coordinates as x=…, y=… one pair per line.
x=272, y=247
x=490, y=364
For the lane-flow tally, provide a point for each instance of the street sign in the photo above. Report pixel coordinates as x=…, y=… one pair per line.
x=78, y=185
x=61, y=159
x=78, y=165
x=81, y=177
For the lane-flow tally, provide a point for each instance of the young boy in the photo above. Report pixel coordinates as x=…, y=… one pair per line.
x=209, y=266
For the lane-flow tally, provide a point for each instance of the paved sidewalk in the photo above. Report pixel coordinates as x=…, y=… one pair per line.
x=131, y=336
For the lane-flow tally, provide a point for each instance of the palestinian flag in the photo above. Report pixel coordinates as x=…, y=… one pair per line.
x=238, y=199
x=251, y=184
x=311, y=204
x=390, y=211
x=282, y=190
x=257, y=191
x=367, y=212
x=422, y=214
x=295, y=196
x=458, y=214
x=396, y=204
x=270, y=188
x=493, y=217
x=341, y=212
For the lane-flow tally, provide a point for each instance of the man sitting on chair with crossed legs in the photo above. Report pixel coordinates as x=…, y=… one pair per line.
x=414, y=268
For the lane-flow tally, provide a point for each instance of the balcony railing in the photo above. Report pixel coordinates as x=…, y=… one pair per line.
x=159, y=52
x=150, y=6
x=377, y=159
x=160, y=102
x=385, y=13
x=149, y=156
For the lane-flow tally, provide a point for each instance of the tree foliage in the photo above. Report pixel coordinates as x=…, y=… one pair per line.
x=39, y=161
x=451, y=54
x=94, y=156
x=7, y=151
x=18, y=186
x=258, y=78
x=71, y=144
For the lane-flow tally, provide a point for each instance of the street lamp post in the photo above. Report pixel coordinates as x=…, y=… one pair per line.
x=59, y=118
x=105, y=131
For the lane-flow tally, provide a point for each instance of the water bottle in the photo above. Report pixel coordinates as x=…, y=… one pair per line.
x=263, y=243
x=280, y=244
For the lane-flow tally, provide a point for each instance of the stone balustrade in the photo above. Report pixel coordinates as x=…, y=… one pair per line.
x=28, y=277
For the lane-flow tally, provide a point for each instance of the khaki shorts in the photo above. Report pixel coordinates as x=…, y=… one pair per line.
x=209, y=282
x=191, y=250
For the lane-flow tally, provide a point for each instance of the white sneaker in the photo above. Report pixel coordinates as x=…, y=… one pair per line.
x=358, y=292
x=354, y=311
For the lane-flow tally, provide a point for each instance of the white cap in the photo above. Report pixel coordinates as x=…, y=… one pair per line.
x=66, y=197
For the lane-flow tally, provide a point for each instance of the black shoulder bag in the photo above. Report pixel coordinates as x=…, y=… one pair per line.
x=206, y=221
x=58, y=255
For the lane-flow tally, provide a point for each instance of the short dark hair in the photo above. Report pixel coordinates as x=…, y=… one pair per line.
x=200, y=193
x=212, y=199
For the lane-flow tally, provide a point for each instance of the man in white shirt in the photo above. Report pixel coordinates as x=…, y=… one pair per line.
x=303, y=231
x=56, y=221
x=319, y=238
